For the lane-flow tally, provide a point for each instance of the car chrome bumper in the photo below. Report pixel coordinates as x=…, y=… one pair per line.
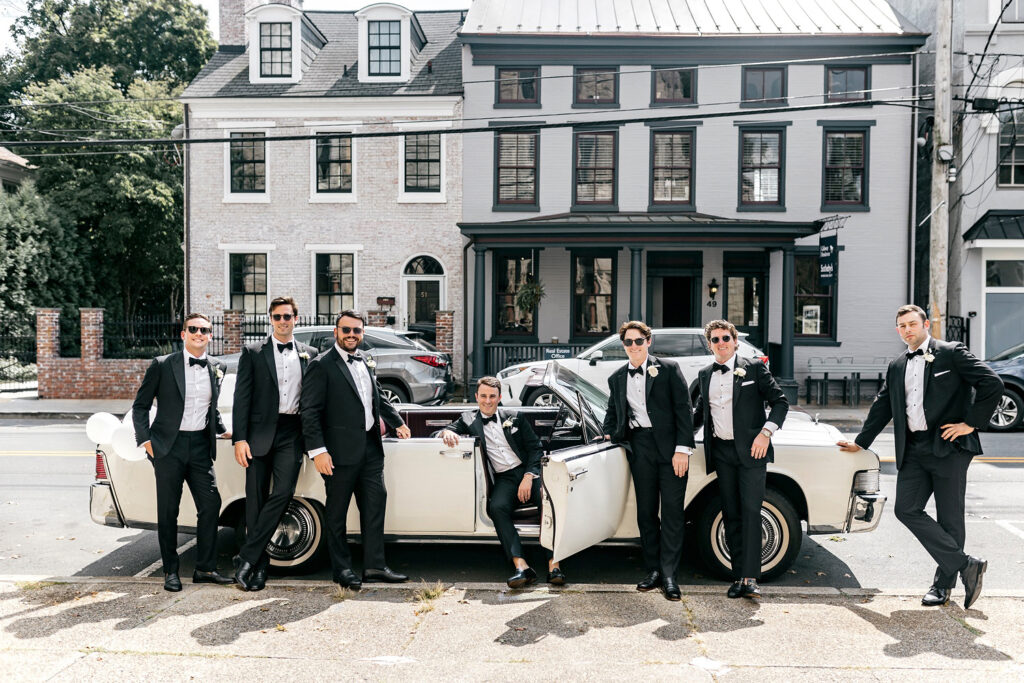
x=865, y=512
x=102, y=507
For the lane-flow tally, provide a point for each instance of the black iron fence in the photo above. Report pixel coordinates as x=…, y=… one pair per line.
x=958, y=329
x=141, y=337
x=18, y=353
x=500, y=355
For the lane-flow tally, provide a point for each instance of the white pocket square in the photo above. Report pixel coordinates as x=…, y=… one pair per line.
x=746, y=383
x=940, y=374
x=513, y=430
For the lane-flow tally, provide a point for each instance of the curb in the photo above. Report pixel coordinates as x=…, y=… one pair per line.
x=46, y=415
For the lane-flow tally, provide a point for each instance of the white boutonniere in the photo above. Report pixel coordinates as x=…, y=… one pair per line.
x=653, y=371
x=219, y=373
x=507, y=424
x=304, y=356
x=928, y=357
x=370, y=363
x=739, y=372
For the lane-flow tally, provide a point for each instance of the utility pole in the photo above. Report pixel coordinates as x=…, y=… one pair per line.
x=942, y=151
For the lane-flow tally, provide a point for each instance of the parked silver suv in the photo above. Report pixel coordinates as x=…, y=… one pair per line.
x=409, y=369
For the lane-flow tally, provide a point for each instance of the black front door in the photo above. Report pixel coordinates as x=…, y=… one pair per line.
x=676, y=301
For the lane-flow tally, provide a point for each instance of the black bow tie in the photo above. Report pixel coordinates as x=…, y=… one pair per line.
x=352, y=359
x=718, y=367
x=197, y=361
x=911, y=354
x=633, y=372
x=282, y=347
x=492, y=418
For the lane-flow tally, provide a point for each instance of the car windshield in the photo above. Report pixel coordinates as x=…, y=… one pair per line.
x=566, y=383
x=1010, y=353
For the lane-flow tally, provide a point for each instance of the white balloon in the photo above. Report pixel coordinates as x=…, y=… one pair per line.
x=227, y=393
x=127, y=420
x=123, y=442
x=100, y=427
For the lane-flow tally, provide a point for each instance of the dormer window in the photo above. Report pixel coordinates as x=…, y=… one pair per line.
x=276, y=49
x=385, y=41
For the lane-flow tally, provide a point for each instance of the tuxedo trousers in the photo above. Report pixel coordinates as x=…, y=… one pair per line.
x=921, y=476
x=188, y=460
x=741, y=488
x=503, y=501
x=365, y=479
x=264, y=505
x=657, y=487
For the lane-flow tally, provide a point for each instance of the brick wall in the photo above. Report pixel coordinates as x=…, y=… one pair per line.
x=445, y=322
x=233, y=331
x=377, y=318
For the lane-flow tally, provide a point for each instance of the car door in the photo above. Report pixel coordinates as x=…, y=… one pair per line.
x=585, y=486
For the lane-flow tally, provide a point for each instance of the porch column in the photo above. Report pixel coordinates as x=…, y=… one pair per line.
x=635, y=283
x=784, y=373
x=479, y=311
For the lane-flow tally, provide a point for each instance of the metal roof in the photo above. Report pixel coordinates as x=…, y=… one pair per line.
x=997, y=224
x=685, y=17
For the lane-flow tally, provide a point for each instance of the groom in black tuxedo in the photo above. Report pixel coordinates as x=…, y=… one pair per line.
x=649, y=413
x=936, y=394
x=738, y=445
x=182, y=445
x=268, y=434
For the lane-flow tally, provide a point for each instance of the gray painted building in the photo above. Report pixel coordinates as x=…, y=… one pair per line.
x=645, y=152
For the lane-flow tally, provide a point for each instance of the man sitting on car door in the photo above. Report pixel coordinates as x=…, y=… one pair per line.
x=513, y=454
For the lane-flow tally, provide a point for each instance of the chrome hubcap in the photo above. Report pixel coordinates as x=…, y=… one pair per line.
x=771, y=537
x=295, y=533
x=1006, y=412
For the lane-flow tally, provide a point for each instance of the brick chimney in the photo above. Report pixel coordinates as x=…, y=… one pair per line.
x=233, y=30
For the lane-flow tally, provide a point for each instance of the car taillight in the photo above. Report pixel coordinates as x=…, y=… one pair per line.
x=432, y=361
x=101, y=467
x=764, y=359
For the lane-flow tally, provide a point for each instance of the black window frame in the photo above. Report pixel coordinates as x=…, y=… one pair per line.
x=831, y=338
x=1018, y=18
x=238, y=143
x=831, y=97
x=574, y=254
x=782, y=101
x=278, y=55
x=611, y=205
x=662, y=205
x=370, y=49
x=506, y=205
x=318, y=163
x=691, y=101
x=500, y=103
x=775, y=128
x=1010, y=155
x=499, y=255
x=258, y=307
x=847, y=127
x=429, y=160
x=579, y=71
x=331, y=315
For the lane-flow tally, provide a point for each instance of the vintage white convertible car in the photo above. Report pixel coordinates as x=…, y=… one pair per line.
x=437, y=493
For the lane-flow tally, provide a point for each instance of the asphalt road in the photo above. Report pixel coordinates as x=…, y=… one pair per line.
x=45, y=528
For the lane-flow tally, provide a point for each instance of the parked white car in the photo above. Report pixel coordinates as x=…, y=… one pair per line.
x=687, y=346
x=435, y=492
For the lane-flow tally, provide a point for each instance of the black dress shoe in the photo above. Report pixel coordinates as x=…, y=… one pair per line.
x=348, y=579
x=244, y=575
x=971, y=575
x=735, y=590
x=751, y=590
x=172, y=582
x=650, y=582
x=211, y=577
x=259, y=579
x=935, y=597
x=522, y=577
x=384, y=574
x=556, y=577
x=671, y=589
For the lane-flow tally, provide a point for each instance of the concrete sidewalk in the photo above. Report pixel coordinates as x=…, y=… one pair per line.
x=117, y=629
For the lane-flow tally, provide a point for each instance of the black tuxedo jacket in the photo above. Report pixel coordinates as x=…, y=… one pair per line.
x=165, y=382
x=257, y=399
x=668, y=407
x=749, y=394
x=957, y=388
x=520, y=436
x=332, y=412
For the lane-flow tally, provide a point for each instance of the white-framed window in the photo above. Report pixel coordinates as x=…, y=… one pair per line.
x=421, y=163
x=332, y=163
x=246, y=162
x=384, y=43
x=275, y=44
x=247, y=277
x=335, y=279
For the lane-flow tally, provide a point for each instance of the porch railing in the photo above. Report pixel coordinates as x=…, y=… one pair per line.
x=501, y=355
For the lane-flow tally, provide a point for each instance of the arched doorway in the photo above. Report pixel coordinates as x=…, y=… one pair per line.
x=423, y=294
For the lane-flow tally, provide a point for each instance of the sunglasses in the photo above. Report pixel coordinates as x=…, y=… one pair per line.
x=282, y=316
x=639, y=341
x=351, y=330
x=194, y=329
x=724, y=337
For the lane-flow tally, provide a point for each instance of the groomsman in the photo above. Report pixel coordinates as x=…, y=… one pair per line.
x=936, y=394
x=649, y=412
x=513, y=454
x=268, y=435
x=341, y=409
x=738, y=445
x=182, y=445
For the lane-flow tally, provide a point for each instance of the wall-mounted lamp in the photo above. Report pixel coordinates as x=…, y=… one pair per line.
x=713, y=289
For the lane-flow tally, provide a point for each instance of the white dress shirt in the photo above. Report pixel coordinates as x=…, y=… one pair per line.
x=198, y=394
x=289, y=377
x=636, y=396
x=500, y=453
x=913, y=383
x=364, y=385
x=720, y=401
